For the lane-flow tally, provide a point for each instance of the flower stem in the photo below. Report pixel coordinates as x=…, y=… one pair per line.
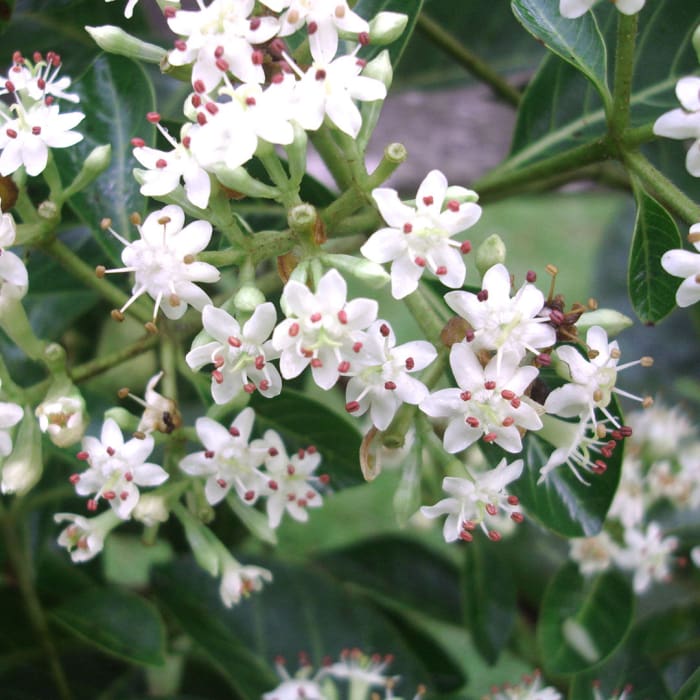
x=618, y=119
x=332, y=157
x=394, y=155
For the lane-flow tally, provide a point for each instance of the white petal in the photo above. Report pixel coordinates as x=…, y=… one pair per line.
x=681, y=263
x=392, y=209
x=384, y=245
x=431, y=192
x=678, y=124
x=688, y=293
x=575, y=8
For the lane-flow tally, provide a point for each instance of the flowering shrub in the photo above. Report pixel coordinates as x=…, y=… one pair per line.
x=252, y=345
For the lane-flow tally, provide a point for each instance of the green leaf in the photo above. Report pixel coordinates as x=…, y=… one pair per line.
x=583, y=620
x=6, y=9
x=691, y=688
x=117, y=622
x=664, y=631
x=115, y=96
x=580, y=43
x=304, y=422
x=489, y=597
x=652, y=290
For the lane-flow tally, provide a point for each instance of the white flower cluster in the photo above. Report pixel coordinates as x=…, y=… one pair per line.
x=14, y=280
x=662, y=464
x=530, y=688
x=32, y=124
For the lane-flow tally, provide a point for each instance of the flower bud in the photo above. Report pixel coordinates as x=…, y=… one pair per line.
x=22, y=469
x=48, y=210
x=491, y=252
x=239, y=180
x=95, y=164
x=378, y=68
x=365, y=270
x=151, y=510
x=115, y=40
x=248, y=298
x=613, y=322
x=62, y=416
x=202, y=541
x=387, y=27
x=461, y=194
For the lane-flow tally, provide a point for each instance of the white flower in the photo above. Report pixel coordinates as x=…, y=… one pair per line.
x=678, y=483
x=26, y=139
x=629, y=503
x=84, y=537
x=324, y=19
x=593, y=554
x=14, y=280
x=294, y=689
x=684, y=123
x=361, y=671
x=10, y=415
x=238, y=580
x=117, y=468
x=63, y=418
x=320, y=329
x=328, y=88
x=648, y=554
x=163, y=263
x=487, y=403
x=228, y=459
x=241, y=358
x=501, y=322
x=291, y=480
x=576, y=8
x=683, y=263
x=592, y=380
x=220, y=39
x=381, y=381
x=659, y=430
x=531, y=688
x=471, y=501
x=129, y=9
x=420, y=236
x=166, y=168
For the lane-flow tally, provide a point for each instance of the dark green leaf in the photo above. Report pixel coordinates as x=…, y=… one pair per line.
x=489, y=597
x=579, y=43
x=115, y=96
x=6, y=9
x=583, y=620
x=667, y=630
x=652, y=290
x=691, y=688
x=117, y=622
x=307, y=422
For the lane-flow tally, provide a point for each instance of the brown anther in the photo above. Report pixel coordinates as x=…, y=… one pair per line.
x=117, y=315
x=597, y=395
x=592, y=304
x=135, y=218
x=410, y=363
x=385, y=330
x=123, y=392
x=105, y=223
x=646, y=361
x=100, y=271
x=592, y=354
x=615, y=354
x=139, y=435
x=390, y=386
x=163, y=220
x=552, y=269
x=694, y=237
x=647, y=402
x=600, y=431
x=174, y=300
x=188, y=259
x=151, y=327
x=339, y=11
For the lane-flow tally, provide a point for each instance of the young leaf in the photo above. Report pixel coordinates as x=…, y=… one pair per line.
x=583, y=620
x=117, y=622
x=652, y=290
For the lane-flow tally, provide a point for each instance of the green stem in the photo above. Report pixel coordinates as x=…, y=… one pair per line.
x=25, y=208
x=666, y=192
x=364, y=222
x=168, y=363
x=17, y=554
x=348, y=203
x=481, y=70
x=394, y=154
x=618, y=119
x=332, y=157
x=289, y=194
x=52, y=177
x=423, y=311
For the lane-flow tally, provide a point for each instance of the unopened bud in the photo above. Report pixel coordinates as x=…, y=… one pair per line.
x=380, y=68
x=115, y=40
x=239, y=180
x=22, y=469
x=62, y=415
x=460, y=194
x=387, y=27
x=491, y=252
x=248, y=298
x=613, y=322
x=372, y=273
x=151, y=510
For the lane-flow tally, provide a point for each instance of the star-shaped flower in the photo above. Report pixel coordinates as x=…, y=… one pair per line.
x=683, y=263
x=84, y=537
x=239, y=581
x=420, y=237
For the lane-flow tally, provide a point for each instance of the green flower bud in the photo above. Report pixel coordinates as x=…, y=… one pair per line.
x=365, y=270
x=460, y=194
x=115, y=40
x=239, y=180
x=613, y=322
x=22, y=469
x=387, y=27
x=151, y=510
x=380, y=69
x=248, y=298
x=491, y=252
x=95, y=164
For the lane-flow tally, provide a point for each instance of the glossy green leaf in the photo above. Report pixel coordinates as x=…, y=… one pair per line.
x=115, y=96
x=580, y=42
x=652, y=290
x=489, y=597
x=6, y=9
x=117, y=622
x=690, y=689
x=583, y=620
x=304, y=422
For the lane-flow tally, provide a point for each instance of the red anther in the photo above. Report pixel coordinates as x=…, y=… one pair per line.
x=626, y=431
x=606, y=452
x=37, y=57
x=218, y=52
x=363, y=38
x=311, y=449
x=469, y=335
x=390, y=386
x=410, y=363
x=110, y=451
x=257, y=58
x=74, y=478
x=466, y=536
x=407, y=228
x=219, y=362
x=599, y=467
x=316, y=362
x=9, y=86
x=264, y=385
x=153, y=117
x=211, y=107
x=138, y=142
x=307, y=353
x=302, y=503
x=315, y=318
x=494, y=536
x=209, y=454
x=312, y=27
x=36, y=130
x=465, y=247
x=301, y=453
x=469, y=525
x=441, y=270
x=186, y=141
x=544, y=359
x=11, y=133
x=611, y=444
x=259, y=362
x=290, y=469
x=53, y=58
x=41, y=83
x=199, y=86
x=294, y=330
x=513, y=500
x=324, y=478
x=92, y=504
x=222, y=64
x=419, y=261
x=109, y=495
x=360, y=62
x=196, y=101
x=18, y=58
x=490, y=385
x=277, y=78
x=273, y=452
x=161, y=163
x=507, y=394
x=272, y=484
x=385, y=330
x=453, y=205
x=83, y=455
x=531, y=276
x=352, y=406
x=201, y=118
x=320, y=74
x=343, y=316
x=129, y=476
x=466, y=395
x=508, y=421
x=490, y=437
x=217, y=376
x=250, y=101
x=221, y=483
x=491, y=509
x=249, y=495
x=556, y=317
x=254, y=23
x=428, y=200
x=472, y=421
x=517, y=517
x=124, y=495
x=515, y=403
x=356, y=347
x=344, y=366
x=617, y=435
x=482, y=295
x=249, y=388
x=280, y=660
x=169, y=12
